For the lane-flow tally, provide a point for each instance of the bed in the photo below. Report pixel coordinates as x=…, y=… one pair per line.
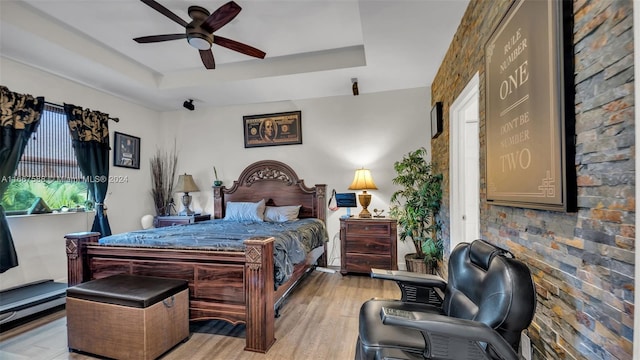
x=234, y=285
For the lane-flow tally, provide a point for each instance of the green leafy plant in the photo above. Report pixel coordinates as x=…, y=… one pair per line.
x=416, y=204
x=20, y=195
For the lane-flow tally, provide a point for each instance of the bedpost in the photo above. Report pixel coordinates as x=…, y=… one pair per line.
x=77, y=267
x=321, y=206
x=260, y=315
x=321, y=209
x=218, y=202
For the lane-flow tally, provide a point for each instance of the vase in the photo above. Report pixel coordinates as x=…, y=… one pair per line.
x=418, y=265
x=217, y=183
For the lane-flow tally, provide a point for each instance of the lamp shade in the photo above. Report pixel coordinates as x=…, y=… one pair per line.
x=363, y=181
x=186, y=184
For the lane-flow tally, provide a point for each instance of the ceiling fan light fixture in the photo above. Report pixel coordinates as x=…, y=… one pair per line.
x=199, y=41
x=199, y=32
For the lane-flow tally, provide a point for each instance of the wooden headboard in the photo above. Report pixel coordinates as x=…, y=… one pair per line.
x=277, y=184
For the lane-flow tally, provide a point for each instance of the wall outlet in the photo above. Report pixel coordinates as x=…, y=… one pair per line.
x=525, y=346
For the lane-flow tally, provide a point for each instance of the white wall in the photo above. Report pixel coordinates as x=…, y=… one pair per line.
x=39, y=238
x=339, y=135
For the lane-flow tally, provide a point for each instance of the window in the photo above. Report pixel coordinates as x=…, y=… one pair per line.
x=48, y=177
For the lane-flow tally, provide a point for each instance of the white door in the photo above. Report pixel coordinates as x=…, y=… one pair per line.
x=464, y=169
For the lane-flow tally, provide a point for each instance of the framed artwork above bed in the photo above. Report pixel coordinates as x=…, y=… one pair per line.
x=272, y=129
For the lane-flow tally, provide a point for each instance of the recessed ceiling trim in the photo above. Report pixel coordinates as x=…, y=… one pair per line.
x=20, y=24
x=334, y=59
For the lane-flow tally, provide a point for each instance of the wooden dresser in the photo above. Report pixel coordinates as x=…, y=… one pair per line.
x=368, y=243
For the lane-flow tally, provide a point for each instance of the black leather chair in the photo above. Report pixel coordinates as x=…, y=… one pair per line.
x=488, y=300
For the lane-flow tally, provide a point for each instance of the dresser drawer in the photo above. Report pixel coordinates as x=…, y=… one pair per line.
x=368, y=244
x=368, y=228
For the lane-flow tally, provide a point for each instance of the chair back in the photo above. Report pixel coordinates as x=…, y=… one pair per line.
x=488, y=285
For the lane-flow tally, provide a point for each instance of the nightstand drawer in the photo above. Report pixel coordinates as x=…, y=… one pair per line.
x=362, y=263
x=368, y=244
x=172, y=220
x=368, y=228
x=162, y=221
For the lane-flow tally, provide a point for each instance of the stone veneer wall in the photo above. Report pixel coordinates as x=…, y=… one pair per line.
x=583, y=262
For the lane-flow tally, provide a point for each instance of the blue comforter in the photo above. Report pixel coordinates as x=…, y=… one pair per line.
x=293, y=239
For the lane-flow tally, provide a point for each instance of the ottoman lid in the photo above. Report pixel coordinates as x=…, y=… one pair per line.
x=128, y=290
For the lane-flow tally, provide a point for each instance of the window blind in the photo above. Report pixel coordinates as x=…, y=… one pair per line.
x=49, y=154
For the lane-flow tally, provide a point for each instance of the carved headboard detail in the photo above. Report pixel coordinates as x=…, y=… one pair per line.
x=278, y=184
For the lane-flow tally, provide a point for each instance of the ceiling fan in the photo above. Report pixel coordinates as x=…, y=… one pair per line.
x=199, y=32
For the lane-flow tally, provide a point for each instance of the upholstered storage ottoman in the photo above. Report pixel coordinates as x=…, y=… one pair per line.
x=127, y=317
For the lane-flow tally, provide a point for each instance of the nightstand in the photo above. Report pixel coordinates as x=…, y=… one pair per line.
x=162, y=221
x=367, y=243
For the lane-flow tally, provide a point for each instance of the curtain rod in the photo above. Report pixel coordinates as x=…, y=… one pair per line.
x=115, y=119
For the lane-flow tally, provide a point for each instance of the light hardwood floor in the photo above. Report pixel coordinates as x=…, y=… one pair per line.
x=319, y=321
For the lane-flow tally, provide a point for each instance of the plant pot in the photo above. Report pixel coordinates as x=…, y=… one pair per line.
x=418, y=265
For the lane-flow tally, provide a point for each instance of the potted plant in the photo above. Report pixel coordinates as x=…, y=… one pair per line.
x=415, y=206
x=216, y=182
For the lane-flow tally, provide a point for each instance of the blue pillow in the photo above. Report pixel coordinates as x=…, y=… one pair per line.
x=245, y=211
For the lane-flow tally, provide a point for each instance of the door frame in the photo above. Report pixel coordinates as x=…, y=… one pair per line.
x=470, y=93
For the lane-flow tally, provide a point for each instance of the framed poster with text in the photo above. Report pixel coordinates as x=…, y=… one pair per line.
x=529, y=108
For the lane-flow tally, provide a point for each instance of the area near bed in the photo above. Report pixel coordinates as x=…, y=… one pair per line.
x=233, y=279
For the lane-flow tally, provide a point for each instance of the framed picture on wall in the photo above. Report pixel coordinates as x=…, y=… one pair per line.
x=272, y=129
x=530, y=159
x=436, y=120
x=126, y=151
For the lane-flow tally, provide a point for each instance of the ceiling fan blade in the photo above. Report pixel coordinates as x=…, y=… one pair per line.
x=239, y=47
x=221, y=17
x=166, y=12
x=207, y=59
x=158, y=38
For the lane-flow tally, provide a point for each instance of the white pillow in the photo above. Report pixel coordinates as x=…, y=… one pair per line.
x=281, y=213
x=244, y=211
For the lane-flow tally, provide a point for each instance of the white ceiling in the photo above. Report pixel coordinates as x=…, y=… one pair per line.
x=314, y=47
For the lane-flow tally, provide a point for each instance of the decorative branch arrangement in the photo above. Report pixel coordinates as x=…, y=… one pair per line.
x=163, y=174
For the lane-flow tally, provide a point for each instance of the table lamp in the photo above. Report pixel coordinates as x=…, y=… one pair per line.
x=186, y=185
x=363, y=181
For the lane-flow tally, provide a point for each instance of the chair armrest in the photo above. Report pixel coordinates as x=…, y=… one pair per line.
x=415, y=287
x=434, y=324
x=407, y=277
